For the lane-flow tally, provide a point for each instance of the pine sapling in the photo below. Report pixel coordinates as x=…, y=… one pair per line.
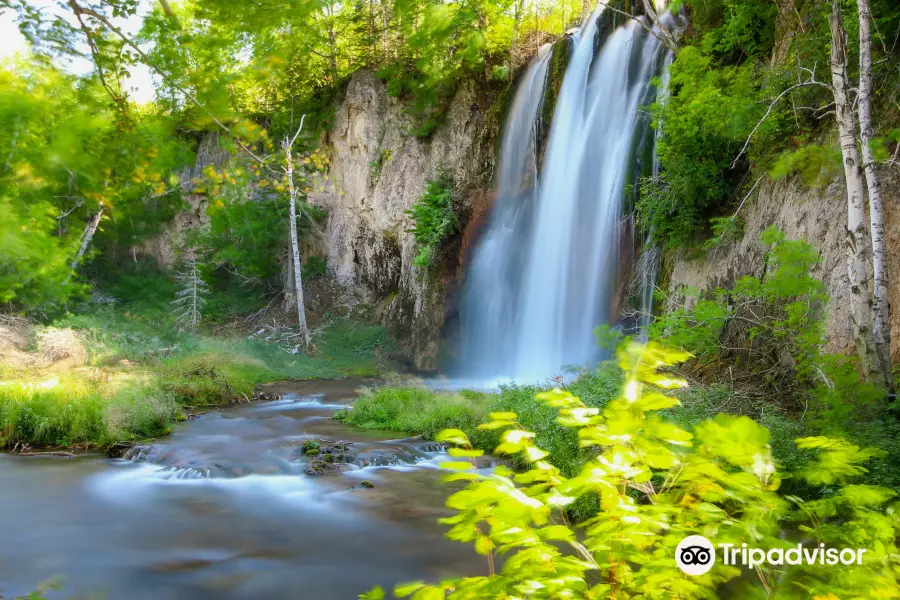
x=191, y=297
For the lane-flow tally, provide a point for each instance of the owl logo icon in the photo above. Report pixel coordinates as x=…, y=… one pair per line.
x=695, y=555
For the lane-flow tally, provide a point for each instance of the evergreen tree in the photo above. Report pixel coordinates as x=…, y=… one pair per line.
x=191, y=297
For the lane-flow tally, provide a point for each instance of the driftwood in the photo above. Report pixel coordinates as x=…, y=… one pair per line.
x=59, y=453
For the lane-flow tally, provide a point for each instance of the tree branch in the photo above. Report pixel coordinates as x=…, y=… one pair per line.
x=95, y=54
x=79, y=10
x=664, y=38
x=299, y=129
x=769, y=111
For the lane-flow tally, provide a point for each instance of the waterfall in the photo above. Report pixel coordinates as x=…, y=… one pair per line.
x=493, y=282
x=543, y=275
x=647, y=267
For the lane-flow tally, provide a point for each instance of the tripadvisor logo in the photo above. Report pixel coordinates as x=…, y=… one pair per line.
x=696, y=555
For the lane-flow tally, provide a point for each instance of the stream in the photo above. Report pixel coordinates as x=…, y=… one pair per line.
x=224, y=508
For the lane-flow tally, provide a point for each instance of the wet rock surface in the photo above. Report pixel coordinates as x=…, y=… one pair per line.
x=131, y=451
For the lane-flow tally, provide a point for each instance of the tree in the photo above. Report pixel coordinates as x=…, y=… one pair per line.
x=882, y=313
x=73, y=160
x=856, y=243
x=191, y=297
x=287, y=145
x=89, y=230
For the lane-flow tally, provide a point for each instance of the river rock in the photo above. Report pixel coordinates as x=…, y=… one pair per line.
x=132, y=451
x=318, y=466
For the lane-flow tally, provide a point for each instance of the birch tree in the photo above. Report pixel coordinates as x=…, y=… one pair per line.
x=882, y=312
x=856, y=242
x=287, y=145
x=89, y=230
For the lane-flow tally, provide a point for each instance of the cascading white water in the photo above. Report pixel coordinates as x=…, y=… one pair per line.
x=543, y=275
x=494, y=277
x=648, y=264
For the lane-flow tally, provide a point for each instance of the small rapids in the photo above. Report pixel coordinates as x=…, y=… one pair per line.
x=231, y=505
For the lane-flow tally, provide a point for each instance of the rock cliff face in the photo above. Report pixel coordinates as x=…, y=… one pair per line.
x=164, y=247
x=817, y=215
x=378, y=171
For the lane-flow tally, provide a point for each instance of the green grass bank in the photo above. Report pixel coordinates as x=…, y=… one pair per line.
x=108, y=373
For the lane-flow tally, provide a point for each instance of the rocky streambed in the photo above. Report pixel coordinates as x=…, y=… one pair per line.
x=273, y=499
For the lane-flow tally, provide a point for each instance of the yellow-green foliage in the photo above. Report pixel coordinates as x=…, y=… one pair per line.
x=434, y=219
x=658, y=483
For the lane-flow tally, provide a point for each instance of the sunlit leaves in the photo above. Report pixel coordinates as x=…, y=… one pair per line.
x=837, y=459
x=70, y=152
x=656, y=484
x=453, y=436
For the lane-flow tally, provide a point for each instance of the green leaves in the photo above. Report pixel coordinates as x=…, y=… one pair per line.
x=837, y=460
x=656, y=484
x=69, y=152
x=453, y=436
x=434, y=219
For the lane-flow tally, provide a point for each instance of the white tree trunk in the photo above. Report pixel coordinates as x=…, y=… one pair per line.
x=295, y=246
x=663, y=34
x=882, y=321
x=856, y=242
x=88, y=234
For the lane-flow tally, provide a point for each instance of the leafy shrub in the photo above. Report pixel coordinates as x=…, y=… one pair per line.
x=313, y=268
x=706, y=116
x=723, y=80
x=434, y=219
x=769, y=331
x=248, y=234
x=757, y=346
x=816, y=164
x=724, y=229
x=657, y=484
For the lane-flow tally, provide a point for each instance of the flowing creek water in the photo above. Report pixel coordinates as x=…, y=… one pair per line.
x=224, y=508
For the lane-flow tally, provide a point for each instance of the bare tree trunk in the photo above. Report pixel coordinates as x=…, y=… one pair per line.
x=517, y=15
x=295, y=246
x=88, y=234
x=856, y=243
x=664, y=34
x=882, y=322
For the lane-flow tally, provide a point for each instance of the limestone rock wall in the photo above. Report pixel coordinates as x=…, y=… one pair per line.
x=165, y=247
x=818, y=215
x=378, y=170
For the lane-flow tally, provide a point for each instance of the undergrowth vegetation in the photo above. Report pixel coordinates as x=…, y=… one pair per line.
x=721, y=125
x=137, y=373
x=763, y=440
x=657, y=483
x=754, y=350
